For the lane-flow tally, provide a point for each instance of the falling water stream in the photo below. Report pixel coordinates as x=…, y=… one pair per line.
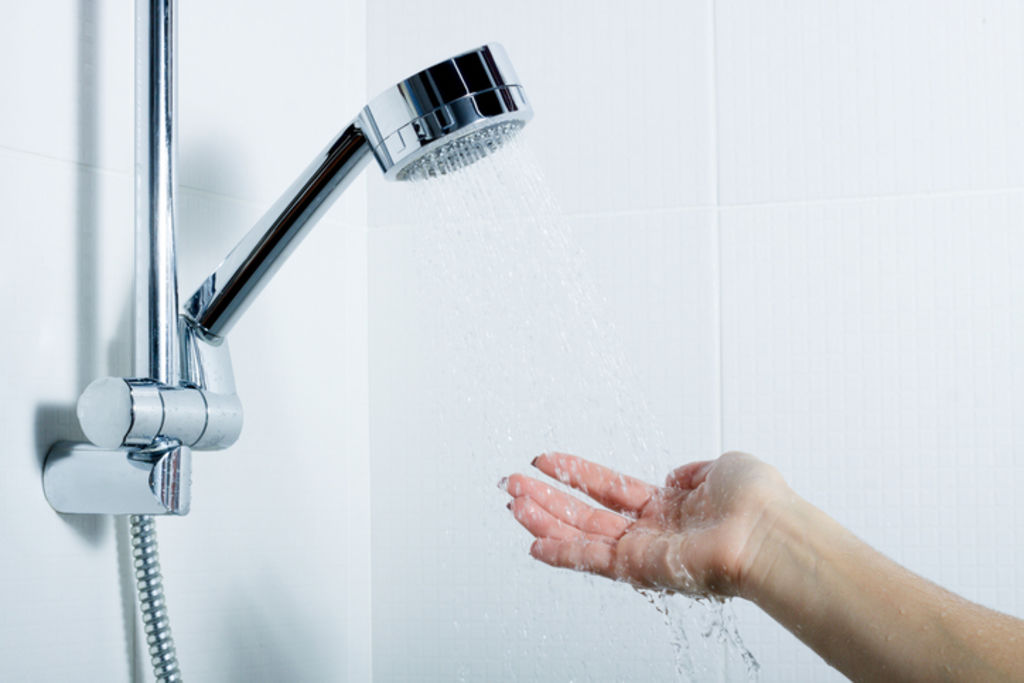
x=536, y=364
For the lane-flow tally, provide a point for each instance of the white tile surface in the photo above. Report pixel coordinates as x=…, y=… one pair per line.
x=848, y=99
x=871, y=351
x=59, y=585
x=622, y=95
x=270, y=572
x=263, y=89
x=268, y=576
x=483, y=356
x=65, y=81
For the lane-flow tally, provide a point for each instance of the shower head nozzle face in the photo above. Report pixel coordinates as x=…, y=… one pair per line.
x=446, y=117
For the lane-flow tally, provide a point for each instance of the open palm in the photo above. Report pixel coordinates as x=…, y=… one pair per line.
x=693, y=535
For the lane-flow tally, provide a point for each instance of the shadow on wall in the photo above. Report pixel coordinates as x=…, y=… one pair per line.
x=53, y=421
x=207, y=228
x=59, y=421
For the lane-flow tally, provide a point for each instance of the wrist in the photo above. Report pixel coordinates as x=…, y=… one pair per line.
x=781, y=547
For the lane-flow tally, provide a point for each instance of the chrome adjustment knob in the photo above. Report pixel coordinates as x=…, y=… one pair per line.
x=114, y=412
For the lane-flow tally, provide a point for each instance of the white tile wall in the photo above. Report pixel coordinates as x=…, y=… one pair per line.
x=266, y=574
x=868, y=98
x=263, y=89
x=63, y=275
x=470, y=379
x=59, y=581
x=66, y=74
x=736, y=225
x=866, y=347
x=872, y=352
x=269, y=574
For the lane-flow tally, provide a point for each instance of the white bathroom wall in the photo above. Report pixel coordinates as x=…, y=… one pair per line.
x=804, y=221
x=871, y=184
x=802, y=227
x=268, y=575
x=267, y=578
x=64, y=192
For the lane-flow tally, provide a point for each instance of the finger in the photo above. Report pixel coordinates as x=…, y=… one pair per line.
x=689, y=476
x=606, y=486
x=581, y=555
x=543, y=524
x=569, y=509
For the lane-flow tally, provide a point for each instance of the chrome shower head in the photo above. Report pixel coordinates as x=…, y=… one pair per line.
x=447, y=116
x=435, y=122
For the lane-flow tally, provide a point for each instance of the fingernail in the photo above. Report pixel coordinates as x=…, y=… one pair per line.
x=533, y=462
x=509, y=506
x=503, y=483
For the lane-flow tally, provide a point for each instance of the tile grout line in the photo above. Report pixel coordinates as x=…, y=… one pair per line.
x=866, y=199
x=716, y=247
x=717, y=205
x=716, y=232
x=81, y=165
x=366, y=372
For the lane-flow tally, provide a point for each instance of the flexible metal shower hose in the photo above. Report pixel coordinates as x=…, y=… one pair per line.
x=151, y=600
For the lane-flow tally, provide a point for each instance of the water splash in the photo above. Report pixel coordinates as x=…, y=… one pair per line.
x=711, y=620
x=530, y=284
x=536, y=364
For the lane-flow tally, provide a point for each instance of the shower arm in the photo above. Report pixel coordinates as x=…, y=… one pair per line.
x=219, y=302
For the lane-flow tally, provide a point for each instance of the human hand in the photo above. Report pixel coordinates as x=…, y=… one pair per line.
x=698, y=534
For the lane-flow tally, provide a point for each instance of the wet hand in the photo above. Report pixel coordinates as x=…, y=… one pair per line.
x=698, y=534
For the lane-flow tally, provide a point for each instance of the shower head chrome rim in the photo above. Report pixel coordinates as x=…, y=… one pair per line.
x=414, y=129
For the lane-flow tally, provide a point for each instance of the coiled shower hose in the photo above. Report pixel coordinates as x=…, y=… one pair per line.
x=151, y=600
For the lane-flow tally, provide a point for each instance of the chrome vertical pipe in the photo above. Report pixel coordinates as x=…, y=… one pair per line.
x=157, y=350
x=156, y=283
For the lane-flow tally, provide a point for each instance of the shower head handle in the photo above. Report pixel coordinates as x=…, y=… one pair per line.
x=436, y=121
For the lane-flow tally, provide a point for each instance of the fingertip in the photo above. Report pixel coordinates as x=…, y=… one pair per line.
x=555, y=464
x=514, y=485
x=549, y=463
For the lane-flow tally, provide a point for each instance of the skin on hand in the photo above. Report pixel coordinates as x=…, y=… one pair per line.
x=733, y=527
x=699, y=534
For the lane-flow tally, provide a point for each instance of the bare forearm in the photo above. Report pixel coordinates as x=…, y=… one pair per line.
x=866, y=615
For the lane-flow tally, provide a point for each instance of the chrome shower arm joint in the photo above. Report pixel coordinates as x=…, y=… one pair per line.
x=203, y=413
x=115, y=411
